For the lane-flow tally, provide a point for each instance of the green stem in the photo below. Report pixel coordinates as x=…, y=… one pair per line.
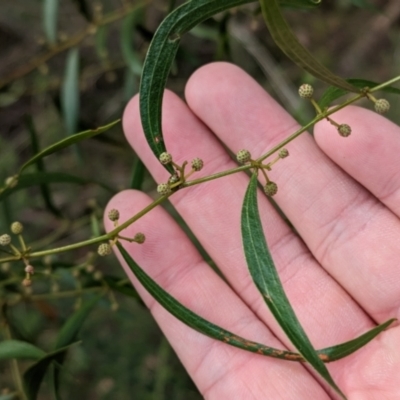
x=155, y=203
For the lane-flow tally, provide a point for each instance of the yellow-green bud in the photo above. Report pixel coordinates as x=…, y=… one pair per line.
x=163, y=189
x=283, y=153
x=382, y=106
x=197, y=164
x=104, y=249
x=173, y=179
x=165, y=158
x=5, y=239
x=243, y=156
x=139, y=238
x=271, y=188
x=11, y=181
x=113, y=215
x=306, y=91
x=344, y=130
x=17, y=228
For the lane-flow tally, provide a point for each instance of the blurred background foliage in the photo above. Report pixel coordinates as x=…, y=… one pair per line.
x=72, y=65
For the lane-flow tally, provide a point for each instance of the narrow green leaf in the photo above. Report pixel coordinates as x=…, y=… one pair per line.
x=18, y=349
x=266, y=278
x=101, y=42
x=44, y=189
x=69, y=334
x=33, y=377
x=70, y=92
x=288, y=43
x=198, y=323
x=50, y=17
x=344, y=349
x=62, y=144
x=209, y=329
x=333, y=93
x=128, y=51
x=364, y=4
x=138, y=171
x=39, y=178
x=159, y=60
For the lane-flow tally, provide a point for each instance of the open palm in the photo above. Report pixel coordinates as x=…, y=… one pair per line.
x=340, y=270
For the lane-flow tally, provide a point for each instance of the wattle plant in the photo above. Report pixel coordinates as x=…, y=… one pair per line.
x=156, y=69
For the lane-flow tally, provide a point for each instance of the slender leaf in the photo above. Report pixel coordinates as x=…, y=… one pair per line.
x=44, y=189
x=68, y=335
x=62, y=144
x=70, y=92
x=207, y=328
x=138, y=171
x=33, y=377
x=333, y=93
x=159, y=60
x=50, y=17
x=195, y=321
x=101, y=42
x=288, y=43
x=364, y=4
x=343, y=350
x=39, y=178
x=69, y=331
x=18, y=349
x=266, y=278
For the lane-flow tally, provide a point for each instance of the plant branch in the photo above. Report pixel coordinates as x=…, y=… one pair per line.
x=74, y=40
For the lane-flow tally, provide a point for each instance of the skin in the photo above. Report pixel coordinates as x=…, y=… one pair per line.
x=341, y=272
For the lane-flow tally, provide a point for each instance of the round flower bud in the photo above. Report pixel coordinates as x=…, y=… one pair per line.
x=283, y=153
x=17, y=228
x=271, y=188
x=11, y=181
x=113, y=215
x=163, y=189
x=197, y=164
x=139, y=238
x=173, y=179
x=243, y=156
x=29, y=269
x=382, y=106
x=104, y=249
x=26, y=282
x=98, y=275
x=344, y=130
x=5, y=240
x=165, y=158
x=306, y=91
x=90, y=268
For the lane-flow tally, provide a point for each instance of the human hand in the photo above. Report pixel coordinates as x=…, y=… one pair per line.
x=341, y=275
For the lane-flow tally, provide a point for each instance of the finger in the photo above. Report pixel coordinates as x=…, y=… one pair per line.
x=370, y=154
x=212, y=210
x=341, y=223
x=220, y=371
